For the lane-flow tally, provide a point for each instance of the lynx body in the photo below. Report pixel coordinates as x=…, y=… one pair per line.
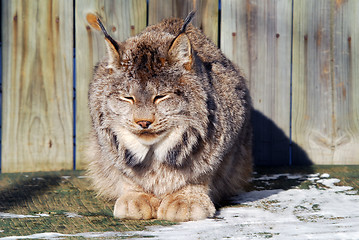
x=171, y=125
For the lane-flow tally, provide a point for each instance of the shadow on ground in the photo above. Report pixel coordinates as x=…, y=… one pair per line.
x=272, y=152
x=23, y=188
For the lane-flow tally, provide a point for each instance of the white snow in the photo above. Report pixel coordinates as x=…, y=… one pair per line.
x=54, y=235
x=330, y=183
x=329, y=212
x=276, y=176
x=313, y=213
x=11, y=215
x=325, y=175
x=42, y=215
x=82, y=177
x=72, y=215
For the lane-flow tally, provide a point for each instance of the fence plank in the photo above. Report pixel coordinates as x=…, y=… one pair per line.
x=122, y=19
x=325, y=86
x=37, y=85
x=346, y=84
x=256, y=35
x=206, y=16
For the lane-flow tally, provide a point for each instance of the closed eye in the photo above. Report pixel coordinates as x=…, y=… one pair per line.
x=157, y=99
x=128, y=99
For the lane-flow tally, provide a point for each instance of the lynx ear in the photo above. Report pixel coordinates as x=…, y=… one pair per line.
x=181, y=51
x=113, y=51
x=113, y=47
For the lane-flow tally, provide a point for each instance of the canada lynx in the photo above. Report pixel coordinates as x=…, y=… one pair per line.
x=171, y=124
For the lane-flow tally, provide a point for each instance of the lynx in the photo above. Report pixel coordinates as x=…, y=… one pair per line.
x=171, y=124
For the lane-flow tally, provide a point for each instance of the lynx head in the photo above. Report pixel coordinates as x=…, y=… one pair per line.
x=150, y=85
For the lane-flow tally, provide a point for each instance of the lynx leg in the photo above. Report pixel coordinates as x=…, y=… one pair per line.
x=188, y=204
x=136, y=205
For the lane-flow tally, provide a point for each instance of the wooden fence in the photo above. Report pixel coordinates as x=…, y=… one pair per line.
x=301, y=58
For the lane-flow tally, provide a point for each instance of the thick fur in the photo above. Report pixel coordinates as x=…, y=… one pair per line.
x=197, y=149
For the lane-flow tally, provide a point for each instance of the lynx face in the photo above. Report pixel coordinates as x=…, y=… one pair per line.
x=150, y=95
x=147, y=111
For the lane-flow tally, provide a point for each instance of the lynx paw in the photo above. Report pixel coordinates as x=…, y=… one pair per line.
x=181, y=207
x=136, y=205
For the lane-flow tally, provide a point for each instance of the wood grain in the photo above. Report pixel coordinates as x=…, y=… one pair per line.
x=122, y=19
x=206, y=17
x=325, y=86
x=256, y=35
x=37, y=85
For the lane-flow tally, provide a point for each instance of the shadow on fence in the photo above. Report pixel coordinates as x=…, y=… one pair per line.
x=272, y=146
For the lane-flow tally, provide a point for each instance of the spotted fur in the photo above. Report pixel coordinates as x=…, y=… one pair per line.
x=196, y=149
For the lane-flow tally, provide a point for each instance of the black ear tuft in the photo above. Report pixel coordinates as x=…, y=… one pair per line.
x=187, y=21
x=107, y=36
x=113, y=47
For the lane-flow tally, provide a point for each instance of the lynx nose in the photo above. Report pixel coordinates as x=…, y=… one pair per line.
x=144, y=124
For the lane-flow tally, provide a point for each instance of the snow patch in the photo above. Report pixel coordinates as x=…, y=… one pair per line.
x=72, y=215
x=313, y=213
x=330, y=183
x=42, y=215
x=12, y=215
x=82, y=177
x=325, y=175
x=276, y=176
x=54, y=235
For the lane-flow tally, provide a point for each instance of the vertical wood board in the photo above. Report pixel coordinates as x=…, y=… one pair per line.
x=206, y=17
x=256, y=35
x=346, y=82
x=325, y=87
x=122, y=19
x=37, y=85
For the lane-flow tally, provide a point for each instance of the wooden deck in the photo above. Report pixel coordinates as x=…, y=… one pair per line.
x=61, y=202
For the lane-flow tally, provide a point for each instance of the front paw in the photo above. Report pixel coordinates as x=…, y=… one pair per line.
x=135, y=205
x=186, y=207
